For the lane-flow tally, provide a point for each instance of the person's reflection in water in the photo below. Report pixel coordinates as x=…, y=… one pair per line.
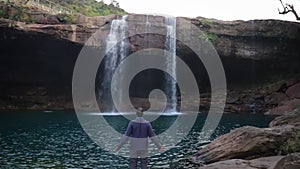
x=139, y=130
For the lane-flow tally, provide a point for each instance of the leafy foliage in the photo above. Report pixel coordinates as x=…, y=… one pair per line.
x=3, y=10
x=293, y=144
x=204, y=22
x=19, y=15
x=90, y=7
x=209, y=37
x=65, y=18
x=15, y=12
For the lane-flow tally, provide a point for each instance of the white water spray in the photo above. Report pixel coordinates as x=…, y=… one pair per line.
x=115, y=53
x=170, y=46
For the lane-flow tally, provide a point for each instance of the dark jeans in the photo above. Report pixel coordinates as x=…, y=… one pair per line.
x=134, y=158
x=134, y=161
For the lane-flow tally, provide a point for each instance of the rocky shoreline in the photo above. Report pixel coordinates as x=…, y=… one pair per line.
x=275, y=147
x=274, y=99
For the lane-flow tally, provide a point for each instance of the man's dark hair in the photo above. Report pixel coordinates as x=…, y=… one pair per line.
x=140, y=112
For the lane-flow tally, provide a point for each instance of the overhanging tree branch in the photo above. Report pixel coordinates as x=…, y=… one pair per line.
x=287, y=8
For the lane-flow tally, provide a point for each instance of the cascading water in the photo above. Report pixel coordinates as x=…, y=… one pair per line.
x=170, y=45
x=115, y=53
x=148, y=24
x=148, y=28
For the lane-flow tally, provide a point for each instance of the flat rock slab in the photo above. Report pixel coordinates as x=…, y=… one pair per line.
x=291, y=161
x=260, y=163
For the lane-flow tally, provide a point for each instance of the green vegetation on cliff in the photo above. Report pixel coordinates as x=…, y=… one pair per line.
x=91, y=7
x=62, y=10
x=17, y=10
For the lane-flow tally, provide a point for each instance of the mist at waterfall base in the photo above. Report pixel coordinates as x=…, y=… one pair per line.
x=57, y=140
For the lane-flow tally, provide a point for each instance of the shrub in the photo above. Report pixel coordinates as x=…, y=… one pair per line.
x=90, y=7
x=293, y=144
x=3, y=10
x=210, y=37
x=19, y=15
x=65, y=18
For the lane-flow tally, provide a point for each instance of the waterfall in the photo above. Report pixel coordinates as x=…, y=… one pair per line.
x=148, y=24
x=170, y=45
x=114, y=55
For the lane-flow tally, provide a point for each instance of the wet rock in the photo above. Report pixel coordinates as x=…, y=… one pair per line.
x=286, y=107
x=245, y=143
x=291, y=161
x=281, y=110
x=251, y=142
x=260, y=163
x=292, y=118
x=233, y=108
x=184, y=164
x=233, y=100
x=294, y=91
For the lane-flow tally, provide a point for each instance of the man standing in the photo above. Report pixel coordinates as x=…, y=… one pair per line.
x=139, y=130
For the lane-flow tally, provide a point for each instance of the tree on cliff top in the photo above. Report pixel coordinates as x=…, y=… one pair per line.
x=287, y=8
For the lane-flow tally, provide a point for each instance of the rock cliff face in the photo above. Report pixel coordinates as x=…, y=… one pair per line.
x=37, y=60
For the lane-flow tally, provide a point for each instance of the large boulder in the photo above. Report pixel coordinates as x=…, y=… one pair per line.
x=291, y=161
x=264, y=162
x=285, y=107
x=292, y=118
x=251, y=142
x=245, y=143
x=280, y=110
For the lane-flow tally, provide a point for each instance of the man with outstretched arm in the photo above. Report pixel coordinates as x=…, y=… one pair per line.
x=139, y=130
